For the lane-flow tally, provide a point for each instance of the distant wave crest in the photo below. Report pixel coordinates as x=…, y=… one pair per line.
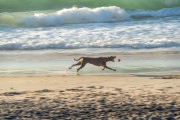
x=76, y=15
x=83, y=15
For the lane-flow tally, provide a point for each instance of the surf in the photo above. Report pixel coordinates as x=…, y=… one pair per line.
x=82, y=15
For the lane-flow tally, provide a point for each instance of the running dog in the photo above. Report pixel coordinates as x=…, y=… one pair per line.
x=100, y=61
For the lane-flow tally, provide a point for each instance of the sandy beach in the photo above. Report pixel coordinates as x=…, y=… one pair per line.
x=41, y=39
x=141, y=97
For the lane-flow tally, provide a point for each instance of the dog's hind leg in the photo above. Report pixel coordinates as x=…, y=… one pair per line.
x=79, y=63
x=82, y=65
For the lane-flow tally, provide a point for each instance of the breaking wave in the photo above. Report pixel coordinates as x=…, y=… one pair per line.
x=83, y=15
x=61, y=45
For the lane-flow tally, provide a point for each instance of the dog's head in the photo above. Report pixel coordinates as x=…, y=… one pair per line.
x=110, y=58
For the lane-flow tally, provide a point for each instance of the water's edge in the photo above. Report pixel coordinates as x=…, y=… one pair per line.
x=58, y=63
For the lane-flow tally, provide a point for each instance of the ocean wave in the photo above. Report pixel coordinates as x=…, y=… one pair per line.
x=67, y=45
x=166, y=12
x=83, y=15
x=76, y=15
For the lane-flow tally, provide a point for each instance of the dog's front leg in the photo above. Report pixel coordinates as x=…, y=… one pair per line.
x=104, y=65
x=103, y=68
x=110, y=68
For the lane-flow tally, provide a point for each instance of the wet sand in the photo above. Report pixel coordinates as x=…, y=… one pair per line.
x=33, y=63
x=141, y=97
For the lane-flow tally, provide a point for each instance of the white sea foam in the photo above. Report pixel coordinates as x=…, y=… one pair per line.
x=83, y=15
x=146, y=34
x=133, y=34
x=76, y=15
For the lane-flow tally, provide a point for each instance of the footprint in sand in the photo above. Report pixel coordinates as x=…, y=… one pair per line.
x=44, y=90
x=13, y=93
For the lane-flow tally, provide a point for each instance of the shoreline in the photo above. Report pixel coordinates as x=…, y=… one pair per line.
x=93, y=51
x=55, y=63
x=109, y=95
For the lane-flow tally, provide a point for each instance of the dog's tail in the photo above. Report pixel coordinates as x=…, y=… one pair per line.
x=77, y=59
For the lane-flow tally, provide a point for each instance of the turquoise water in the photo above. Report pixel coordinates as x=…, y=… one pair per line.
x=34, y=5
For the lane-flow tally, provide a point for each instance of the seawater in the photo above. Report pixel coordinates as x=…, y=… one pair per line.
x=33, y=5
x=43, y=38
x=106, y=30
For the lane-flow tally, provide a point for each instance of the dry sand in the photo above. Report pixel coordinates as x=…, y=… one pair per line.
x=144, y=97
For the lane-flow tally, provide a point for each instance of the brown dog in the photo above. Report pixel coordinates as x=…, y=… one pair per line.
x=100, y=61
